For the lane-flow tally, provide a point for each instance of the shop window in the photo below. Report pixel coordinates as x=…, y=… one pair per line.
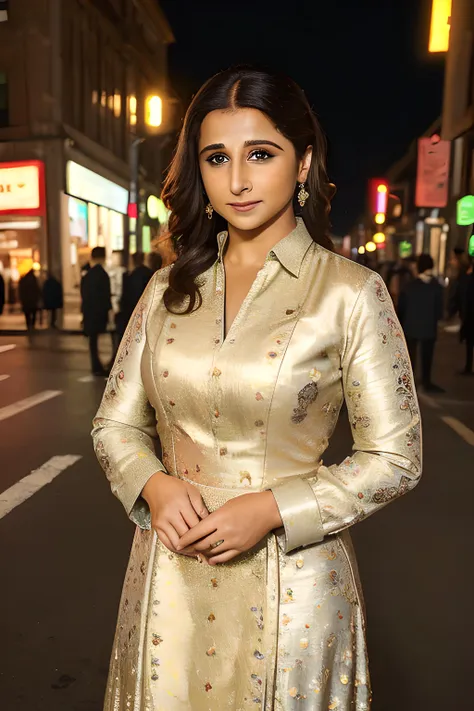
x=4, y=114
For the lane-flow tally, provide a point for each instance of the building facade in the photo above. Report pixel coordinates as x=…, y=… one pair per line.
x=458, y=111
x=73, y=81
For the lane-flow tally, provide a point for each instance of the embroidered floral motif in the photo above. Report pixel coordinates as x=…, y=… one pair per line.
x=258, y=612
x=388, y=493
x=103, y=457
x=245, y=476
x=133, y=332
x=306, y=397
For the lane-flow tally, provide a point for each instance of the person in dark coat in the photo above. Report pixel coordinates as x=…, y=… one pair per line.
x=30, y=297
x=134, y=284
x=420, y=307
x=96, y=304
x=52, y=298
x=465, y=307
x=2, y=294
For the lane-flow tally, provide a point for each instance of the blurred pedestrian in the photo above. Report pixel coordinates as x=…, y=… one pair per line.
x=52, y=298
x=402, y=275
x=2, y=294
x=420, y=307
x=465, y=308
x=134, y=284
x=96, y=304
x=30, y=297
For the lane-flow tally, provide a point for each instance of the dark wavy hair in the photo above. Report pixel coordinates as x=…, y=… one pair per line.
x=285, y=104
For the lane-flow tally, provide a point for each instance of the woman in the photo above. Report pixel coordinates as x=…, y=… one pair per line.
x=242, y=590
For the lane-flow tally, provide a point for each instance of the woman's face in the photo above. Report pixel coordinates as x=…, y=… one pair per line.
x=249, y=169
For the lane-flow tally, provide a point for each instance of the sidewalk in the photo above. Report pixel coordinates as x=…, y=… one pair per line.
x=14, y=323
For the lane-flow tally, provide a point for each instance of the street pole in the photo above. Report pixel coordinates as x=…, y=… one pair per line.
x=134, y=199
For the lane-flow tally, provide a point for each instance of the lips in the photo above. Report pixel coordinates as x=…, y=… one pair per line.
x=244, y=206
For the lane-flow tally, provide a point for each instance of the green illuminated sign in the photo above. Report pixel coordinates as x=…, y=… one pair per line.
x=471, y=246
x=405, y=249
x=465, y=210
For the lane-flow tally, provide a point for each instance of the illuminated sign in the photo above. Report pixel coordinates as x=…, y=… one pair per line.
x=432, y=175
x=156, y=209
x=405, y=249
x=22, y=188
x=471, y=246
x=440, y=26
x=465, y=210
x=86, y=185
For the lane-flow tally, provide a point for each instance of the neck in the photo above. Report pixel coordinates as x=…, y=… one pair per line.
x=248, y=248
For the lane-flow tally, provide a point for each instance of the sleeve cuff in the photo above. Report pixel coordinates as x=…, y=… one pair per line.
x=137, y=476
x=299, y=510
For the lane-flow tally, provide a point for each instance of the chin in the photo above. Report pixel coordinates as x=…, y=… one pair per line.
x=248, y=220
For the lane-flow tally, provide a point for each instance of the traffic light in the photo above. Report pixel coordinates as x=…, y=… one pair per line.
x=378, y=198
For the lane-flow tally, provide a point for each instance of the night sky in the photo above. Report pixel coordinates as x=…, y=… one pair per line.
x=362, y=63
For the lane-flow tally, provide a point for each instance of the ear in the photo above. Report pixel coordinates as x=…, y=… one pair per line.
x=305, y=164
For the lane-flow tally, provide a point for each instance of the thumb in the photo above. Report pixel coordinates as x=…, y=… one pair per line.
x=197, y=502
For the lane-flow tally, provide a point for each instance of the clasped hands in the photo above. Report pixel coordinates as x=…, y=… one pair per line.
x=184, y=525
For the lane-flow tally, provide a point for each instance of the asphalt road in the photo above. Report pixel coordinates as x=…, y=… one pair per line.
x=63, y=551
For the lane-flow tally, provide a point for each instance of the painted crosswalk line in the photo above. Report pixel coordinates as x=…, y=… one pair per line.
x=22, y=405
x=29, y=485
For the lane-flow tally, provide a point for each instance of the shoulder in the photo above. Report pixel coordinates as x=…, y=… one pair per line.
x=347, y=277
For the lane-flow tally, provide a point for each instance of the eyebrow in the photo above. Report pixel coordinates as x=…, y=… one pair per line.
x=254, y=142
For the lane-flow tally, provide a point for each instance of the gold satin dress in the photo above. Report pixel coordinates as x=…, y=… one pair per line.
x=282, y=627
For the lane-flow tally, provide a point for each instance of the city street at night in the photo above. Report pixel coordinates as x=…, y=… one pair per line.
x=64, y=549
x=247, y=227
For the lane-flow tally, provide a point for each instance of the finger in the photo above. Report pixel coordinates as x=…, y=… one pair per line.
x=163, y=538
x=190, y=516
x=208, y=543
x=171, y=533
x=204, y=528
x=224, y=557
x=167, y=543
x=197, y=502
x=179, y=524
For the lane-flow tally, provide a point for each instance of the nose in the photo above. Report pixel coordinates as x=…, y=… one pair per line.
x=239, y=177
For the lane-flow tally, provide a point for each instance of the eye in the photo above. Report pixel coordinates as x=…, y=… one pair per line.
x=260, y=155
x=217, y=159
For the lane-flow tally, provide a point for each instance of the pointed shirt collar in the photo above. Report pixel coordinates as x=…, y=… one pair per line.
x=289, y=251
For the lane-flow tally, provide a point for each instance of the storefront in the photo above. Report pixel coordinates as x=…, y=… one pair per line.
x=23, y=232
x=94, y=213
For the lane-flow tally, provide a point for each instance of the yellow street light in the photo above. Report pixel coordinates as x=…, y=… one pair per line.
x=440, y=26
x=371, y=246
x=361, y=250
x=153, y=111
x=379, y=218
x=379, y=238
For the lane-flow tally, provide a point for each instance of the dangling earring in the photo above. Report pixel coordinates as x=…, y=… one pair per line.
x=303, y=195
x=209, y=211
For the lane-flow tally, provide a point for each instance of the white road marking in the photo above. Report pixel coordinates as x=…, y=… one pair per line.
x=10, y=347
x=3, y=377
x=21, y=405
x=460, y=429
x=86, y=379
x=29, y=485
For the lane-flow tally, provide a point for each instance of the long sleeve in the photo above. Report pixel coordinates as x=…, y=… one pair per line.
x=385, y=423
x=124, y=429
